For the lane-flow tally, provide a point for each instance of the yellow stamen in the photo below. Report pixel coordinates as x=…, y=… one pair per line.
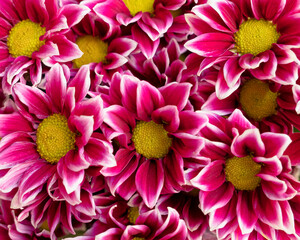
x=257, y=100
x=133, y=214
x=255, y=36
x=151, y=139
x=136, y=6
x=54, y=139
x=241, y=172
x=24, y=38
x=93, y=48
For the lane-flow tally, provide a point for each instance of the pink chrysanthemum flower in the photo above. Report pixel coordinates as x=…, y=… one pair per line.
x=124, y=222
x=11, y=228
x=165, y=67
x=270, y=107
x=186, y=203
x=104, y=49
x=154, y=135
x=152, y=19
x=248, y=180
x=31, y=34
x=51, y=142
x=259, y=36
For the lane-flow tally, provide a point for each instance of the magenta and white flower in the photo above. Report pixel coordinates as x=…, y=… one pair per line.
x=248, y=172
x=154, y=135
x=11, y=228
x=124, y=222
x=103, y=47
x=49, y=145
x=32, y=33
x=258, y=36
x=151, y=19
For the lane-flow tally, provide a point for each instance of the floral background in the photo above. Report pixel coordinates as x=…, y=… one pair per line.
x=149, y=120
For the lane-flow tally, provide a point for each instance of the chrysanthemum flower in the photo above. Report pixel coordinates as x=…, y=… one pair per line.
x=125, y=222
x=152, y=19
x=31, y=33
x=271, y=107
x=154, y=136
x=11, y=228
x=104, y=49
x=51, y=142
x=259, y=36
x=186, y=203
x=165, y=67
x=248, y=172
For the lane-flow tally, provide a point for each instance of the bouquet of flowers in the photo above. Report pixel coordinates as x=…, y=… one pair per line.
x=149, y=119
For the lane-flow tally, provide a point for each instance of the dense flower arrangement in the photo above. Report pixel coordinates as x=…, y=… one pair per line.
x=149, y=119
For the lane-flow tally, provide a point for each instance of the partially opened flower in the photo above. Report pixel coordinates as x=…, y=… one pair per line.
x=186, y=203
x=248, y=180
x=103, y=47
x=154, y=135
x=32, y=33
x=125, y=222
x=271, y=107
x=50, y=143
x=259, y=36
x=11, y=228
x=151, y=19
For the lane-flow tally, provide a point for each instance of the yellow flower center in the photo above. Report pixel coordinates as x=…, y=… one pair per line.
x=257, y=100
x=241, y=172
x=255, y=36
x=93, y=48
x=24, y=38
x=136, y=6
x=54, y=138
x=151, y=139
x=133, y=214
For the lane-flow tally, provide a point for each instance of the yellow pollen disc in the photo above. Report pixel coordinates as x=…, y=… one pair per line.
x=133, y=214
x=151, y=139
x=136, y=6
x=54, y=138
x=255, y=36
x=93, y=48
x=24, y=38
x=241, y=172
x=257, y=100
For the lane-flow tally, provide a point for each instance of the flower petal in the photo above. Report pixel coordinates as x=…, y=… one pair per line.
x=149, y=181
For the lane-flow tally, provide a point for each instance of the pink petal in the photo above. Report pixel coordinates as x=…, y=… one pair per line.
x=191, y=122
x=56, y=86
x=10, y=123
x=36, y=11
x=248, y=141
x=81, y=82
x=273, y=187
x=266, y=9
x=210, y=44
x=99, y=152
x=176, y=94
x=68, y=51
x=149, y=181
x=71, y=180
x=147, y=46
x=187, y=145
x=210, y=177
x=148, y=99
x=210, y=201
x=245, y=214
x=74, y=13
x=37, y=102
x=167, y=115
x=275, y=143
x=84, y=125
